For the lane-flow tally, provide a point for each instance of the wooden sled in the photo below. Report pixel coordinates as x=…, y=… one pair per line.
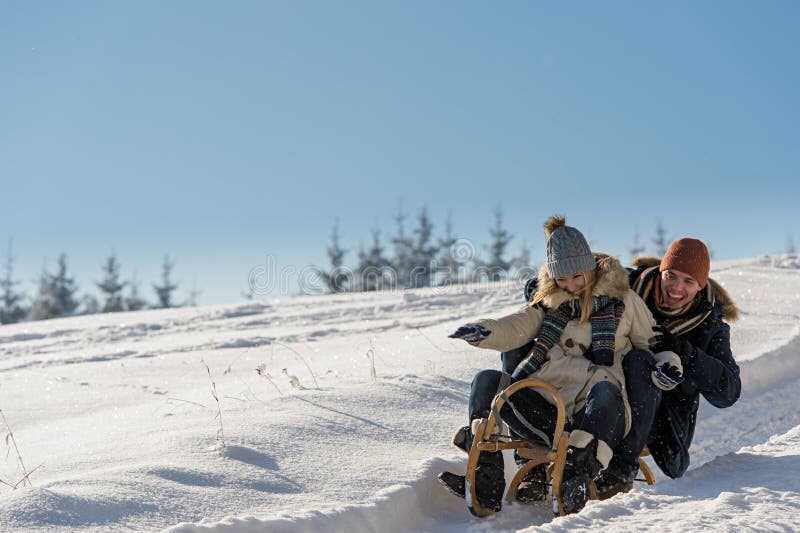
x=488, y=438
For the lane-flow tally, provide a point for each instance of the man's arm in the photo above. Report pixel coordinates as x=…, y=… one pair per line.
x=713, y=372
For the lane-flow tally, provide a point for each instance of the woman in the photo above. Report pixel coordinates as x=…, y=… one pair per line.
x=583, y=318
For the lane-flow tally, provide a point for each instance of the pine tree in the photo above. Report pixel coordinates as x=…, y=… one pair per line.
x=133, y=302
x=790, y=247
x=447, y=265
x=497, y=266
x=65, y=289
x=337, y=280
x=373, y=267
x=44, y=302
x=660, y=240
x=167, y=287
x=11, y=310
x=90, y=305
x=422, y=252
x=111, y=286
x=401, y=262
x=637, y=248
x=194, y=293
x=56, y=296
x=523, y=260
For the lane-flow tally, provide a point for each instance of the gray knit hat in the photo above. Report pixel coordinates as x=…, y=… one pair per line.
x=567, y=250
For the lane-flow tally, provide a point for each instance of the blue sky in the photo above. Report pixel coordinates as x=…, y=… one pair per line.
x=221, y=133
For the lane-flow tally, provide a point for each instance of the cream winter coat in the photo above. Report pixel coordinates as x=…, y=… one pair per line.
x=567, y=369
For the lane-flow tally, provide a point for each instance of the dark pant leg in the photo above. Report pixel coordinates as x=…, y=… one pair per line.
x=604, y=414
x=528, y=409
x=512, y=358
x=489, y=471
x=644, y=398
x=482, y=392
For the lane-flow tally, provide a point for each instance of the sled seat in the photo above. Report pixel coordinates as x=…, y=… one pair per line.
x=489, y=437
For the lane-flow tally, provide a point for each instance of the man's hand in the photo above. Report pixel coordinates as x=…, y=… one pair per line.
x=471, y=333
x=664, y=341
x=666, y=376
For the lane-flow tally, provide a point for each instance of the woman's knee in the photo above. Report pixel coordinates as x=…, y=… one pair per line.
x=528, y=409
x=482, y=391
x=486, y=379
x=605, y=395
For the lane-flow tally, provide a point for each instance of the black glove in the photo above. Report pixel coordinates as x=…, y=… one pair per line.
x=530, y=288
x=664, y=341
x=471, y=333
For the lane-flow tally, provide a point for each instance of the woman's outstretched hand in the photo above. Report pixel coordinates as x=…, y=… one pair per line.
x=471, y=333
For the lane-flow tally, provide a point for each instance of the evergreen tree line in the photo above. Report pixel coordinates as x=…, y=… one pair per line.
x=416, y=260
x=660, y=242
x=57, y=292
x=420, y=259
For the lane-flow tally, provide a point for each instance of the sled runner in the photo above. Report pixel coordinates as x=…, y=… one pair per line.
x=488, y=437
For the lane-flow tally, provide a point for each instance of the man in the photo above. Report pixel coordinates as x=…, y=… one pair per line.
x=691, y=311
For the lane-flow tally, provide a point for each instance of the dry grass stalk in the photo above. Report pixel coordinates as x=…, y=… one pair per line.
x=10, y=438
x=371, y=357
x=261, y=370
x=221, y=432
x=302, y=359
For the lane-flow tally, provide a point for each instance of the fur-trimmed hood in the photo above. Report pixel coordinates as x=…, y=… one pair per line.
x=612, y=281
x=729, y=310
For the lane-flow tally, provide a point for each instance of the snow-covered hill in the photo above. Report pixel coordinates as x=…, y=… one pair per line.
x=118, y=411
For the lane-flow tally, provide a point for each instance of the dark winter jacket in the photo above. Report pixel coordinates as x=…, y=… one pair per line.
x=709, y=369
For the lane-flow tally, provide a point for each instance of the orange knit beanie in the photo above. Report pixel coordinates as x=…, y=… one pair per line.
x=689, y=256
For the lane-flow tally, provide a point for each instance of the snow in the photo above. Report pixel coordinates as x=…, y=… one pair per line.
x=117, y=413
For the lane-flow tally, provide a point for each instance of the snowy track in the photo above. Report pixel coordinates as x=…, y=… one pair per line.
x=118, y=410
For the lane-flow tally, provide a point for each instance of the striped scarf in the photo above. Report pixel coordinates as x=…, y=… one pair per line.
x=677, y=321
x=606, y=314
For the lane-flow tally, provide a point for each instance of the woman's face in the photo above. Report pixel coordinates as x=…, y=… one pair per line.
x=573, y=284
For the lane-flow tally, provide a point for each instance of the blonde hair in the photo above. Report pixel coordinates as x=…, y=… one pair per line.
x=587, y=294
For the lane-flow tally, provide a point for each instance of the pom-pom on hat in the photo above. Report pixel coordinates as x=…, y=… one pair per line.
x=689, y=256
x=567, y=250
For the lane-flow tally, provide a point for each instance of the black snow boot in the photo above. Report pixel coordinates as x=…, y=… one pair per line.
x=463, y=438
x=533, y=487
x=615, y=479
x=490, y=480
x=581, y=468
x=453, y=483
